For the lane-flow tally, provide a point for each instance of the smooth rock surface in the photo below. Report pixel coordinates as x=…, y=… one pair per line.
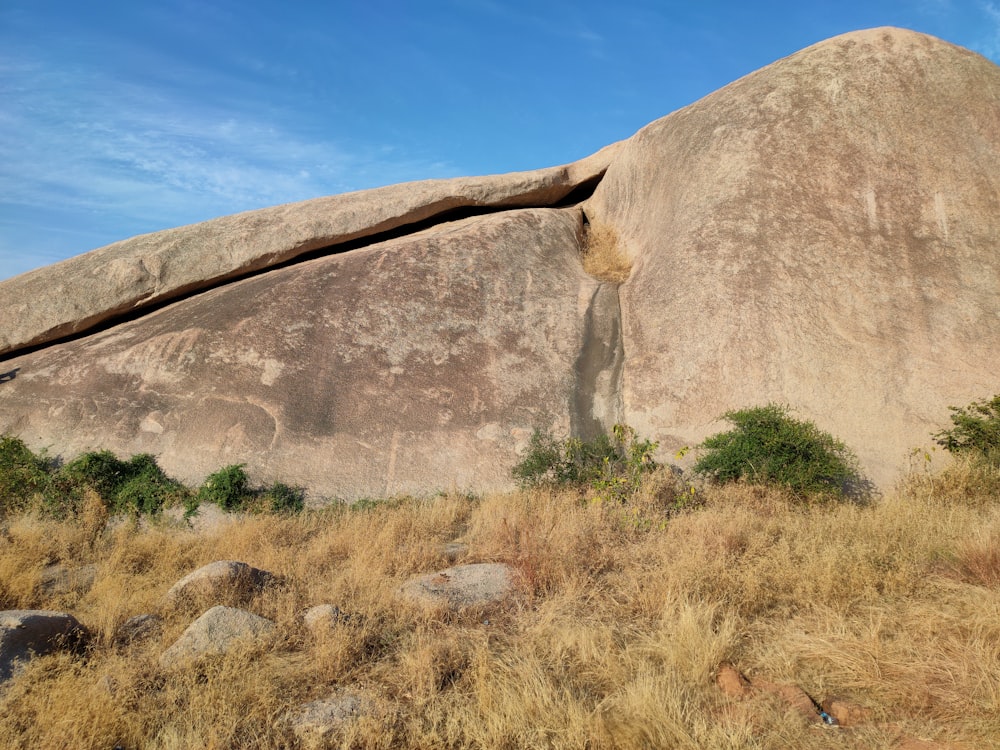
x=410, y=366
x=228, y=581
x=461, y=586
x=821, y=233
x=27, y=632
x=86, y=290
x=216, y=632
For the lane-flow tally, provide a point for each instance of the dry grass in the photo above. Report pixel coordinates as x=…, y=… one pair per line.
x=612, y=640
x=603, y=257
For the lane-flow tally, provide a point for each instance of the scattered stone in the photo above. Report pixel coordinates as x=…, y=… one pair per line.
x=731, y=682
x=847, y=713
x=315, y=721
x=58, y=579
x=322, y=617
x=224, y=581
x=461, y=586
x=27, y=632
x=216, y=632
x=138, y=628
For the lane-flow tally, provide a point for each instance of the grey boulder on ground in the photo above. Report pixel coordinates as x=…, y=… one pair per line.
x=138, y=628
x=317, y=720
x=227, y=581
x=461, y=586
x=86, y=290
x=218, y=631
x=28, y=632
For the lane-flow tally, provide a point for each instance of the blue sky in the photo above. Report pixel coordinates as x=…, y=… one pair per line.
x=118, y=118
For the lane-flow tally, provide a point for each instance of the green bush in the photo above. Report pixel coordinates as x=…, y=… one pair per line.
x=229, y=488
x=138, y=485
x=768, y=446
x=281, y=498
x=23, y=475
x=612, y=465
x=975, y=431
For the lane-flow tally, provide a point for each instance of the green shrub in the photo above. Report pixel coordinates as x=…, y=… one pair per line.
x=976, y=430
x=23, y=475
x=138, y=485
x=229, y=488
x=281, y=498
x=768, y=446
x=612, y=465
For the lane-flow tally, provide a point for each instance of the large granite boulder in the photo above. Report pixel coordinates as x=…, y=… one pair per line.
x=825, y=233
x=140, y=272
x=412, y=365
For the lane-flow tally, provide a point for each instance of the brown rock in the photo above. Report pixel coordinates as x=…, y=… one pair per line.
x=847, y=713
x=84, y=291
x=821, y=233
x=731, y=682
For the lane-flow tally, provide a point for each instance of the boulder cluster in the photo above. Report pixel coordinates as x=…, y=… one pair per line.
x=219, y=596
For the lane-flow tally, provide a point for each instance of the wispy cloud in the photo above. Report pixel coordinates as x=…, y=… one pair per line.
x=990, y=44
x=142, y=157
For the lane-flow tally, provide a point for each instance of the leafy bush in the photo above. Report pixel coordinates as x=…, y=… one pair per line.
x=138, y=485
x=976, y=430
x=229, y=488
x=23, y=475
x=612, y=465
x=768, y=446
x=281, y=498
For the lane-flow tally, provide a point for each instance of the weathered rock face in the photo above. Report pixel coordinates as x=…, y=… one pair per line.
x=822, y=233
x=413, y=365
x=84, y=291
x=825, y=233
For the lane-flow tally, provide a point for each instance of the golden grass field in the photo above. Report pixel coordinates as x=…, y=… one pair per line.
x=620, y=621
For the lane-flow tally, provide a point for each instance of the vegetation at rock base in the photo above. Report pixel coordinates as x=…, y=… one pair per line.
x=613, y=464
x=612, y=639
x=769, y=447
x=137, y=486
x=975, y=431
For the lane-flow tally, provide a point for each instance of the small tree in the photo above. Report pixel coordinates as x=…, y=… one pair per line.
x=768, y=446
x=976, y=430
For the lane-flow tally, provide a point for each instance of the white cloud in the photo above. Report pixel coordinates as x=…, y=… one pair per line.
x=990, y=44
x=121, y=154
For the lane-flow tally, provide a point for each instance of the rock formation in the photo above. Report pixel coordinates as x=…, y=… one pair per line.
x=823, y=232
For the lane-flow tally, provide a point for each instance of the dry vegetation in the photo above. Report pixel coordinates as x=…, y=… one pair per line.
x=603, y=257
x=621, y=619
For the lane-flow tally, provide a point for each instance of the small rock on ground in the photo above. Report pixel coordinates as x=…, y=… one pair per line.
x=216, y=632
x=24, y=632
x=461, y=586
x=223, y=581
x=316, y=720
